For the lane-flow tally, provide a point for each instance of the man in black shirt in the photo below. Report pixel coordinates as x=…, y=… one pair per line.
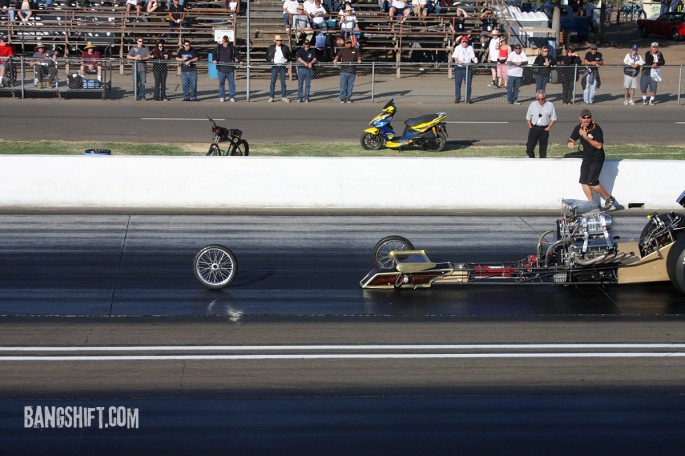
x=306, y=58
x=225, y=56
x=349, y=55
x=592, y=139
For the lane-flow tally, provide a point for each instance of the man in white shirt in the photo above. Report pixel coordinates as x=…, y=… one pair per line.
x=540, y=118
x=278, y=55
x=493, y=55
x=400, y=7
x=463, y=57
x=516, y=61
x=317, y=14
x=289, y=10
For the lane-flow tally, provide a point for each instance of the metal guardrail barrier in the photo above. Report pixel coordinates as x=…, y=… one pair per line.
x=375, y=82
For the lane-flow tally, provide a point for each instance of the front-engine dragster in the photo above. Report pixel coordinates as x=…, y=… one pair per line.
x=578, y=250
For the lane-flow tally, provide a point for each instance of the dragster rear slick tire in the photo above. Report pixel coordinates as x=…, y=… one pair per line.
x=381, y=251
x=675, y=264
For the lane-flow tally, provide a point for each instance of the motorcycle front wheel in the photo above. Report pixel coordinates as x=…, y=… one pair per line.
x=369, y=141
x=241, y=148
x=214, y=151
x=381, y=251
x=215, y=266
x=437, y=144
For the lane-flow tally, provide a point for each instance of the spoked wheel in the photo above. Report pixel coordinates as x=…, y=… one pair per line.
x=242, y=148
x=381, y=251
x=214, y=150
x=369, y=141
x=437, y=144
x=215, y=266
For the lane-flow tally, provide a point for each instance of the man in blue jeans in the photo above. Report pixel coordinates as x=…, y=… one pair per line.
x=188, y=56
x=306, y=58
x=225, y=57
x=279, y=55
x=348, y=56
x=516, y=61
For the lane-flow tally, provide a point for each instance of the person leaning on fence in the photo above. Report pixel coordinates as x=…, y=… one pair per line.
x=6, y=53
x=542, y=68
x=516, y=61
x=44, y=65
x=350, y=57
x=278, y=55
x=502, y=56
x=160, y=69
x=226, y=55
x=188, y=57
x=306, y=59
x=631, y=70
x=591, y=80
x=91, y=61
x=568, y=72
x=140, y=54
x=540, y=118
x=651, y=73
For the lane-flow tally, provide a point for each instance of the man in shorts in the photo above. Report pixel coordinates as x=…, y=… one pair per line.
x=632, y=62
x=592, y=139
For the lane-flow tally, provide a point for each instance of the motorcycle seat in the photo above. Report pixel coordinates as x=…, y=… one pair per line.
x=419, y=120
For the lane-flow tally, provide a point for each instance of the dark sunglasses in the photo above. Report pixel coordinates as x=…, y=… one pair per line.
x=586, y=117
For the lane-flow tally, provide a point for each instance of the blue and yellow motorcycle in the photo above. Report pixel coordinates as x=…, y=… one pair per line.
x=427, y=132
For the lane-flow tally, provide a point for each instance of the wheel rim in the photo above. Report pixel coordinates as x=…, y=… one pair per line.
x=383, y=254
x=373, y=142
x=239, y=149
x=215, y=266
x=213, y=150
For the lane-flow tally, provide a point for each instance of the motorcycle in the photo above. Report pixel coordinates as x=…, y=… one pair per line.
x=427, y=132
x=236, y=146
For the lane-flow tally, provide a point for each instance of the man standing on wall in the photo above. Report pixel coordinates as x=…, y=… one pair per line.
x=592, y=139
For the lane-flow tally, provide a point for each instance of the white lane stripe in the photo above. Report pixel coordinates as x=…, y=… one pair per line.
x=340, y=356
x=475, y=122
x=177, y=118
x=232, y=348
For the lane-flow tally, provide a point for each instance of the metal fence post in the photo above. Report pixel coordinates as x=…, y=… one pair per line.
x=680, y=82
x=373, y=81
x=575, y=82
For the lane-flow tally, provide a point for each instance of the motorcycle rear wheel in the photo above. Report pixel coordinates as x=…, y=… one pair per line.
x=214, y=151
x=242, y=148
x=369, y=141
x=437, y=144
x=381, y=251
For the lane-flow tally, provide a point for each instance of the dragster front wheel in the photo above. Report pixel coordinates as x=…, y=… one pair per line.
x=381, y=251
x=369, y=141
x=215, y=266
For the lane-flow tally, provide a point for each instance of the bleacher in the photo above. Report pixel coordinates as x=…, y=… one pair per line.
x=69, y=26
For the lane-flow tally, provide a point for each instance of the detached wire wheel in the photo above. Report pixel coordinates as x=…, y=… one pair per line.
x=215, y=266
x=381, y=251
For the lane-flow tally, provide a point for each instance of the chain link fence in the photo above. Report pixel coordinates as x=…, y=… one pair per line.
x=374, y=82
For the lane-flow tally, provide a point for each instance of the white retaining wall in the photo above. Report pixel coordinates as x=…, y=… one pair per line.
x=261, y=183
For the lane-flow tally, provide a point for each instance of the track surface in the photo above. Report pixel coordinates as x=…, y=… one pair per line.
x=297, y=359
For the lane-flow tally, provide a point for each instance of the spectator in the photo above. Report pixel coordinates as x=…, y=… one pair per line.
x=384, y=5
x=632, y=62
x=540, y=118
x=160, y=69
x=306, y=57
x=177, y=15
x=487, y=20
x=188, y=56
x=278, y=55
x=543, y=68
x=399, y=7
x=420, y=8
x=24, y=9
x=463, y=56
x=233, y=6
x=592, y=140
x=568, y=73
x=130, y=4
x=8, y=8
x=503, y=53
x=289, y=10
x=226, y=55
x=91, y=61
x=140, y=54
x=493, y=55
x=349, y=24
x=459, y=21
x=318, y=16
x=6, y=53
x=153, y=6
x=516, y=61
x=591, y=80
x=302, y=26
x=651, y=73
x=44, y=64
x=349, y=56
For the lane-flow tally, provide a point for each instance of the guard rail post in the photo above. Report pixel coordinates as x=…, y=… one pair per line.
x=680, y=82
x=575, y=80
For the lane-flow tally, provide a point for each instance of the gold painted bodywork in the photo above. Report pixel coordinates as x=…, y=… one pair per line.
x=651, y=268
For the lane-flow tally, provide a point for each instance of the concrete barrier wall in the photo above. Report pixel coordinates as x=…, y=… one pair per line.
x=228, y=183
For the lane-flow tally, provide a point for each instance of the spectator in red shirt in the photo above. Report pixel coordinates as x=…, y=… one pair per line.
x=90, y=61
x=5, y=53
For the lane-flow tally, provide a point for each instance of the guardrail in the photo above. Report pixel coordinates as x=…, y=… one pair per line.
x=375, y=82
